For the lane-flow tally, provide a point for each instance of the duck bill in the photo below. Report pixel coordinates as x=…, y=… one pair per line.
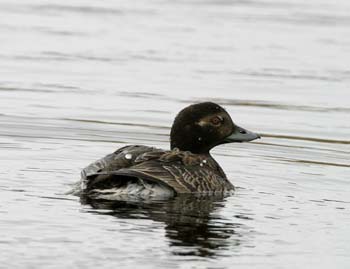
x=241, y=135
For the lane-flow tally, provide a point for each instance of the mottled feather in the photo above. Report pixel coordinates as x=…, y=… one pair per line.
x=181, y=171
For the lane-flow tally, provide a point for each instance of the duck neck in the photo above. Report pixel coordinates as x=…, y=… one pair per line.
x=193, y=149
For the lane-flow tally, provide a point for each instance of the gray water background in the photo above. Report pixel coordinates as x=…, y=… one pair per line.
x=79, y=79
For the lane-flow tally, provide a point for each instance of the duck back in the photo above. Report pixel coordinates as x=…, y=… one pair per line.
x=141, y=171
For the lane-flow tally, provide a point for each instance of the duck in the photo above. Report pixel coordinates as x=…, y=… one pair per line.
x=187, y=168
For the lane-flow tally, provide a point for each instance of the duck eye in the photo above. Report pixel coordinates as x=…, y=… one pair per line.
x=216, y=120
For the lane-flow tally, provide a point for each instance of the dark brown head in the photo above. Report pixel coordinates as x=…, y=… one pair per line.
x=200, y=127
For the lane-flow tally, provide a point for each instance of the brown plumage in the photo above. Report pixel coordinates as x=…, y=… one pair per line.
x=182, y=171
x=187, y=168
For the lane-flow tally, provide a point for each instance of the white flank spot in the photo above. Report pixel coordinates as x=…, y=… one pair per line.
x=128, y=156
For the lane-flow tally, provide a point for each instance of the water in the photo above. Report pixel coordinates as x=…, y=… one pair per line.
x=81, y=79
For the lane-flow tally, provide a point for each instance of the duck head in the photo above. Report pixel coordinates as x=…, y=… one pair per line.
x=200, y=127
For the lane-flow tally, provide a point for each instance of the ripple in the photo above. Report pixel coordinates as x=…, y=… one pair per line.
x=80, y=79
x=278, y=106
x=317, y=162
x=313, y=139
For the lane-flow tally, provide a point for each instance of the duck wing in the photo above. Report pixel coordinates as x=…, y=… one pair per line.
x=180, y=177
x=103, y=168
x=181, y=171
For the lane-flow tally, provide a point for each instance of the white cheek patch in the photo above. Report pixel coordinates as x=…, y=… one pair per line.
x=202, y=123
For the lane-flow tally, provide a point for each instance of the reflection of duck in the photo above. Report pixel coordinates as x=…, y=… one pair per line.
x=189, y=223
x=187, y=168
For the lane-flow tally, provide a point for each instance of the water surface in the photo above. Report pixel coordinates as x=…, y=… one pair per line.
x=81, y=79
